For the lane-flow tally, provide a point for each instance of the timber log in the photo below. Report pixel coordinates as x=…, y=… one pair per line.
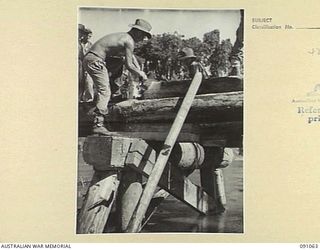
x=208, y=108
x=215, y=118
x=163, y=89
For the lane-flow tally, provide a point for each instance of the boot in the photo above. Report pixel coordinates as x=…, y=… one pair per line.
x=98, y=127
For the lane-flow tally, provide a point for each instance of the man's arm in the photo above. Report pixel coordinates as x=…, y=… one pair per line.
x=129, y=61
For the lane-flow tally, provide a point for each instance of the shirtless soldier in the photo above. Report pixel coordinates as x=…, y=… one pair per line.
x=102, y=52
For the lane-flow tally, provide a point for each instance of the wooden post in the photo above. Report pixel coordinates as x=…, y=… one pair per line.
x=130, y=191
x=220, y=191
x=98, y=203
x=107, y=155
x=212, y=179
x=135, y=222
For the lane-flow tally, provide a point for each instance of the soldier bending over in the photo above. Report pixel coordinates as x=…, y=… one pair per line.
x=105, y=50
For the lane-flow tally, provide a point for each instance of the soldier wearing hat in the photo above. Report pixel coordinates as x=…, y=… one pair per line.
x=86, y=43
x=187, y=57
x=106, y=55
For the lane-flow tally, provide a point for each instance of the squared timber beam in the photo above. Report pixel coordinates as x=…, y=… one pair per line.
x=141, y=158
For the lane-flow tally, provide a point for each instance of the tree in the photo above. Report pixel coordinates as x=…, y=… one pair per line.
x=212, y=38
x=161, y=52
x=219, y=59
x=160, y=47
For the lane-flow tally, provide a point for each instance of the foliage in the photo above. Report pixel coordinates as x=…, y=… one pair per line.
x=161, y=47
x=200, y=48
x=212, y=38
x=219, y=59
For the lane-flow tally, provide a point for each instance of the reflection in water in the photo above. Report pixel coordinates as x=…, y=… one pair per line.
x=210, y=224
x=174, y=216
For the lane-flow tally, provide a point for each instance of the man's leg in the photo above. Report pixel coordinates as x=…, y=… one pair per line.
x=88, y=92
x=99, y=73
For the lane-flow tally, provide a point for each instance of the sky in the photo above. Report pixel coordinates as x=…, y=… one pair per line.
x=191, y=23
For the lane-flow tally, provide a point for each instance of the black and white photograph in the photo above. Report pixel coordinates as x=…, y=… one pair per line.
x=160, y=124
x=160, y=121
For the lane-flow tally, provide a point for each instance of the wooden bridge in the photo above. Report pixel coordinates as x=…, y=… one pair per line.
x=122, y=163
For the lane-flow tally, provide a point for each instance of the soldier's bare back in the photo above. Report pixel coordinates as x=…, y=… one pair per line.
x=114, y=44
